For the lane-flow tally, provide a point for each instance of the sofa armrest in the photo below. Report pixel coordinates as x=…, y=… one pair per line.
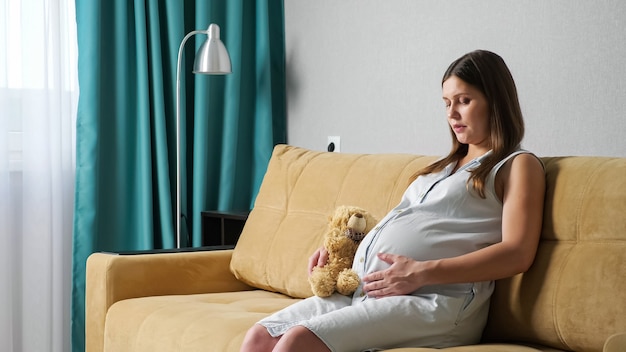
x=615, y=343
x=112, y=277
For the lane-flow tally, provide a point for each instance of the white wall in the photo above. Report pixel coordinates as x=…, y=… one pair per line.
x=370, y=71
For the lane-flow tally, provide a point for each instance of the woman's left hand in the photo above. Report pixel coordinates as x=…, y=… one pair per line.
x=400, y=278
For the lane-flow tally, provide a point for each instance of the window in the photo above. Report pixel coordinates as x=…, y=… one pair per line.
x=35, y=62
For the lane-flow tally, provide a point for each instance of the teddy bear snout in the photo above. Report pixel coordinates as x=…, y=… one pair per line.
x=356, y=227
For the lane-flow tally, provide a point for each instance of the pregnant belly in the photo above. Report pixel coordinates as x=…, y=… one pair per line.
x=426, y=236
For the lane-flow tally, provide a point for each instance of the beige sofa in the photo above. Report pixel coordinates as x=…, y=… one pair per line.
x=572, y=299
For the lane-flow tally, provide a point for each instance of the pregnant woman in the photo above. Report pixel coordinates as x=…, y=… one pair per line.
x=428, y=268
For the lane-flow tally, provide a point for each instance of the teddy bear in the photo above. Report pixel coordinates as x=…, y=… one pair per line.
x=346, y=228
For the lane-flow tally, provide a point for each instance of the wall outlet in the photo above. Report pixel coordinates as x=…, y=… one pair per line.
x=333, y=144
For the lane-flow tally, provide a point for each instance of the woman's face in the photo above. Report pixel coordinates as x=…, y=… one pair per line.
x=468, y=112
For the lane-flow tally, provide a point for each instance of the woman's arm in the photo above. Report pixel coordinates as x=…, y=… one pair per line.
x=521, y=183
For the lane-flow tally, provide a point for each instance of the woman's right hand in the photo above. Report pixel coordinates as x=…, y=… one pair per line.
x=318, y=259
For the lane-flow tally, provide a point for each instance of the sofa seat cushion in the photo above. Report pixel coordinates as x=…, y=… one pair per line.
x=202, y=322
x=481, y=348
x=215, y=322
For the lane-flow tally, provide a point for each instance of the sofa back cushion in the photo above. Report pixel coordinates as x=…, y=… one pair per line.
x=301, y=189
x=574, y=295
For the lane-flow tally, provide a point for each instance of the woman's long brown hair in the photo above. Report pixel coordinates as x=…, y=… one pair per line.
x=487, y=72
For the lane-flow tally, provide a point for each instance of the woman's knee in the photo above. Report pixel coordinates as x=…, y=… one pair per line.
x=301, y=339
x=258, y=339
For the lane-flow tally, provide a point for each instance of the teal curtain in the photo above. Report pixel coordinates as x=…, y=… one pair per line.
x=126, y=151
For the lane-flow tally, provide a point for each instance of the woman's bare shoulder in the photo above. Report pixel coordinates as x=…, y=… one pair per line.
x=523, y=170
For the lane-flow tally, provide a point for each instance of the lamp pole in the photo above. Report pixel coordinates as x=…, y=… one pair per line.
x=211, y=59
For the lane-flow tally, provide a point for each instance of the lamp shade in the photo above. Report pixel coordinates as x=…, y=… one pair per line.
x=212, y=58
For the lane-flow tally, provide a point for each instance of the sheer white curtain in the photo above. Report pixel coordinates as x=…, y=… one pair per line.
x=38, y=99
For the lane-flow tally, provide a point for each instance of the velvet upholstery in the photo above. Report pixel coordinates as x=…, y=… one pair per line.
x=573, y=298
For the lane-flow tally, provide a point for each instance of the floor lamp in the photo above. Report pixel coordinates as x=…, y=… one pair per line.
x=211, y=59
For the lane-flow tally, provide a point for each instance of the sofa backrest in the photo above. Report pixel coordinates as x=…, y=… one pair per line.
x=572, y=298
x=574, y=295
x=299, y=192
